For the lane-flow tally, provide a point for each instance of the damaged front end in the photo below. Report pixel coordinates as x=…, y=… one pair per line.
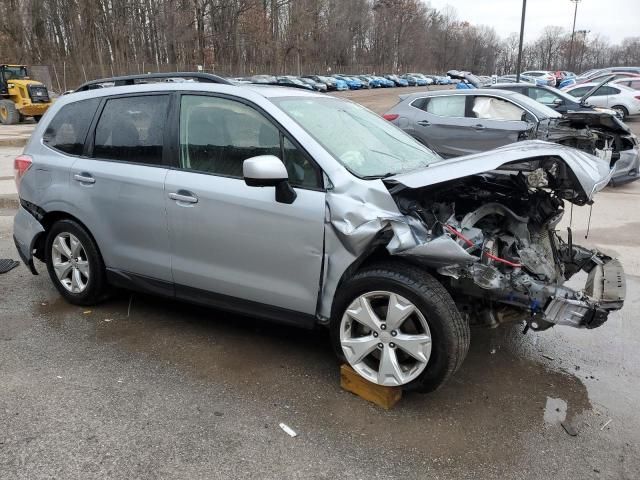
x=486, y=225
x=492, y=237
x=600, y=134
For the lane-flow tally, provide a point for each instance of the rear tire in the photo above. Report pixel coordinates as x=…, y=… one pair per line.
x=37, y=118
x=74, y=263
x=448, y=331
x=9, y=114
x=623, y=112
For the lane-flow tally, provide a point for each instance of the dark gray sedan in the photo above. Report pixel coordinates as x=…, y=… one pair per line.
x=461, y=122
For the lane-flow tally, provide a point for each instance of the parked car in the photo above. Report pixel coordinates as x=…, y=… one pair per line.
x=591, y=75
x=411, y=80
x=331, y=82
x=462, y=122
x=264, y=79
x=366, y=81
x=293, y=82
x=623, y=100
x=317, y=86
x=223, y=199
x=601, y=76
x=352, y=83
x=422, y=78
x=384, y=82
x=397, y=81
x=547, y=77
x=523, y=79
x=551, y=97
x=439, y=79
x=632, y=82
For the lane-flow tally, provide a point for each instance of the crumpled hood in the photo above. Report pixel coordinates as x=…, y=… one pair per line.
x=592, y=173
x=597, y=119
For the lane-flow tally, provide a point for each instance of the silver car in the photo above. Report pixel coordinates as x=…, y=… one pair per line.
x=461, y=122
x=310, y=210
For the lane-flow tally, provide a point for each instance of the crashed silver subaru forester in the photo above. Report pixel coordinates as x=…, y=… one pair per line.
x=307, y=209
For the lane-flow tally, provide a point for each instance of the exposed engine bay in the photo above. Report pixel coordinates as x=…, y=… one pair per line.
x=492, y=239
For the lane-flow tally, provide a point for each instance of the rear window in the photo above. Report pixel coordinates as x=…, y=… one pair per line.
x=68, y=129
x=131, y=129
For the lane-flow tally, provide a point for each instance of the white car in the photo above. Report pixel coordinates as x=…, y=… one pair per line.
x=548, y=77
x=624, y=100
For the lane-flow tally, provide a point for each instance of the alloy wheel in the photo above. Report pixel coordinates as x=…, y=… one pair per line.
x=621, y=112
x=70, y=262
x=385, y=338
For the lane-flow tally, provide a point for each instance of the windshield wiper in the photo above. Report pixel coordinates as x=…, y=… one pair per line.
x=375, y=177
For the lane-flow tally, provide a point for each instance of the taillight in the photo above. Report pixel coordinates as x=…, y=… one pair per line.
x=20, y=166
x=390, y=116
x=637, y=97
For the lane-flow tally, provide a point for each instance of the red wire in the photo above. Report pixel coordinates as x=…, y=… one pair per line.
x=471, y=244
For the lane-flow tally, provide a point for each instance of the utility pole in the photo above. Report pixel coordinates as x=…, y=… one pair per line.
x=518, y=66
x=573, y=32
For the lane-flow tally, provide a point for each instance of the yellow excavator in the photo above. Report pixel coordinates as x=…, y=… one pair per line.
x=20, y=96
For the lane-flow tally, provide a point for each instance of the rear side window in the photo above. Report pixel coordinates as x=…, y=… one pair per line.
x=131, y=129
x=68, y=129
x=446, y=106
x=419, y=103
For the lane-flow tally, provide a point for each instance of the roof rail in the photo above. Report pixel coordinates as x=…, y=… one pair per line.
x=135, y=79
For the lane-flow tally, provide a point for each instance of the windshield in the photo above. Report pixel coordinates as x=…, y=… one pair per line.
x=15, y=73
x=363, y=142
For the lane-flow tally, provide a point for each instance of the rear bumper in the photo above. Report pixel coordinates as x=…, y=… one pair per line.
x=605, y=292
x=26, y=230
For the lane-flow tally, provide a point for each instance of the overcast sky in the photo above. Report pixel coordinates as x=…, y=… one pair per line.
x=615, y=19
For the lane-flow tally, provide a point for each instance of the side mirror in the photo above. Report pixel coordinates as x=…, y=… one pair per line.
x=557, y=102
x=269, y=171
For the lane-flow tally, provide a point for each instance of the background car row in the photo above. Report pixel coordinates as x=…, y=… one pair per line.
x=338, y=82
x=486, y=116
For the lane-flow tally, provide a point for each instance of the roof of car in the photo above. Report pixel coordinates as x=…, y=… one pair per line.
x=267, y=91
x=471, y=91
x=513, y=84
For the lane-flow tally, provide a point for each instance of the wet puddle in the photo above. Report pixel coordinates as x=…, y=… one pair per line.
x=502, y=390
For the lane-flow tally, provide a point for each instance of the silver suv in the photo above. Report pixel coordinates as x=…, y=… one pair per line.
x=307, y=209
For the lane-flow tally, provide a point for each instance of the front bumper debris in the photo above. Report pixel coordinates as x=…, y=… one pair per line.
x=605, y=292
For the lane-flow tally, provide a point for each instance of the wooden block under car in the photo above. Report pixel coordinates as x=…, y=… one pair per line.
x=385, y=397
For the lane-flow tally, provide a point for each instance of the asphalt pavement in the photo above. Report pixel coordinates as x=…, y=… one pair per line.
x=141, y=387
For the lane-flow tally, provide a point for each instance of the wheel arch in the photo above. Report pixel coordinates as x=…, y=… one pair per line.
x=376, y=253
x=47, y=221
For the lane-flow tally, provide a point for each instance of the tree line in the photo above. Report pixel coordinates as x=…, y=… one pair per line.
x=84, y=39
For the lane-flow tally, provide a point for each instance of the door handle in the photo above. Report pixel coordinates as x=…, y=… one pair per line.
x=84, y=178
x=424, y=123
x=479, y=127
x=183, y=196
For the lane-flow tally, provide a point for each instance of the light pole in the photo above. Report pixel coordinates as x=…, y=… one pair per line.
x=524, y=10
x=573, y=31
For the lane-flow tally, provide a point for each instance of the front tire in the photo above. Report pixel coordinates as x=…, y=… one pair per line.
x=9, y=114
x=74, y=263
x=397, y=325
